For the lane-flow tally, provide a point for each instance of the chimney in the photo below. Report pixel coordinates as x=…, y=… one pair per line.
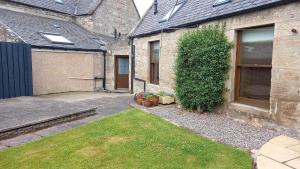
x=155, y=7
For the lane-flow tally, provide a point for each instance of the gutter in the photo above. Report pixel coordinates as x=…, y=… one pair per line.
x=65, y=48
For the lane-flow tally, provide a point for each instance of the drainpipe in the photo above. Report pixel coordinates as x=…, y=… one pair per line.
x=132, y=64
x=133, y=68
x=104, y=70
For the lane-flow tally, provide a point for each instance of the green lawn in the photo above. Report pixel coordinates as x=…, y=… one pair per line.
x=131, y=139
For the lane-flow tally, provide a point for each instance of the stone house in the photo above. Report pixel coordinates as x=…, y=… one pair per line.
x=264, y=83
x=77, y=45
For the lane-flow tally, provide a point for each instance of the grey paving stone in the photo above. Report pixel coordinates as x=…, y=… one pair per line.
x=21, y=111
x=2, y=147
x=20, y=140
x=105, y=106
x=52, y=130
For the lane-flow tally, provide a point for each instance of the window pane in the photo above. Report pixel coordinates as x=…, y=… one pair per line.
x=123, y=66
x=171, y=12
x=255, y=83
x=57, y=38
x=155, y=52
x=154, y=72
x=257, y=46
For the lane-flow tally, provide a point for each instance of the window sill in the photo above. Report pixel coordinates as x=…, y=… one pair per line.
x=250, y=109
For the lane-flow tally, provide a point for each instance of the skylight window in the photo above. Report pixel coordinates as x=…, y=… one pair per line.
x=221, y=2
x=56, y=38
x=172, y=12
x=59, y=1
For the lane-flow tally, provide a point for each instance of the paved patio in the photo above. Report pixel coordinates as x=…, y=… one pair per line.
x=25, y=112
x=281, y=152
x=104, y=104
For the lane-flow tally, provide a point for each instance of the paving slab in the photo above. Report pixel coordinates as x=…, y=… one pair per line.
x=20, y=140
x=284, y=141
x=51, y=131
x=294, y=163
x=2, y=147
x=280, y=154
x=266, y=163
x=24, y=111
x=295, y=148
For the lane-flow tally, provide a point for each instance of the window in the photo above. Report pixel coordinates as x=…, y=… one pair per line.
x=56, y=38
x=154, y=62
x=254, y=65
x=59, y=1
x=172, y=12
x=221, y=2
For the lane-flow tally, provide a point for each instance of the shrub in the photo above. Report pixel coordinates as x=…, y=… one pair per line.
x=201, y=68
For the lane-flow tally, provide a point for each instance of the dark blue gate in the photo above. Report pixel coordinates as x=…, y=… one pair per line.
x=15, y=70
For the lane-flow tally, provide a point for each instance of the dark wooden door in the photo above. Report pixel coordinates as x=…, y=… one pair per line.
x=122, y=72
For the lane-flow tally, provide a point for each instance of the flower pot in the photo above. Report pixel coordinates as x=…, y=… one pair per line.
x=155, y=100
x=166, y=99
x=148, y=103
x=139, y=101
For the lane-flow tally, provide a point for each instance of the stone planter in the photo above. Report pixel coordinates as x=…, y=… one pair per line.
x=166, y=100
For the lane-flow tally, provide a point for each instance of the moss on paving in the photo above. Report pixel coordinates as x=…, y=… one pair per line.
x=130, y=139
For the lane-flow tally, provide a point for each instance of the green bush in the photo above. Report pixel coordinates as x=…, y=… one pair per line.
x=201, y=68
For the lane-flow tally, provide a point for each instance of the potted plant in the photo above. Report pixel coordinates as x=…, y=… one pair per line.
x=165, y=98
x=154, y=99
x=139, y=98
x=147, y=102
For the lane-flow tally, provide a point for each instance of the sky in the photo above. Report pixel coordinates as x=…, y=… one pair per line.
x=143, y=5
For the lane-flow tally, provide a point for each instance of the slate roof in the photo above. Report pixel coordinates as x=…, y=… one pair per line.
x=196, y=12
x=29, y=27
x=71, y=7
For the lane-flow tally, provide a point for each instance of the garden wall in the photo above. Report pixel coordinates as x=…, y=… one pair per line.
x=64, y=71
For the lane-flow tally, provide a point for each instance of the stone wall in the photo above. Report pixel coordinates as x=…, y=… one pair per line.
x=285, y=87
x=120, y=48
x=66, y=71
x=111, y=14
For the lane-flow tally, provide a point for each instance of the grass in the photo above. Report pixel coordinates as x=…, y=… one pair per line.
x=131, y=139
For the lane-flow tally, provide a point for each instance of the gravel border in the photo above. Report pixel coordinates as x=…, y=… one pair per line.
x=220, y=128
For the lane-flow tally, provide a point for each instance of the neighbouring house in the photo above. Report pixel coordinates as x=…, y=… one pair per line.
x=264, y=83
x=77, y=45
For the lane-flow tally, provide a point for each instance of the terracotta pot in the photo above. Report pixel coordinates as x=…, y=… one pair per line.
x=155, y=100
x=148, y=103
x=139, y=101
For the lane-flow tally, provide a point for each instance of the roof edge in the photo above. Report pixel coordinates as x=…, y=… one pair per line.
x=214, y=18
x=25, y=4
x=66, y=48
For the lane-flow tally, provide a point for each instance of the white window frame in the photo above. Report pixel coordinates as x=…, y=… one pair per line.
x=172, y=12
x=221, y=2
x=56, y=38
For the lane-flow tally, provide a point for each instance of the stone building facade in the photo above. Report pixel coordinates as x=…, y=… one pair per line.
x=67, y=69
x=285, y=81
x=111, y=15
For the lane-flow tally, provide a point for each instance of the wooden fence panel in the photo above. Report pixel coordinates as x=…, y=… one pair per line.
x=15, y=70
